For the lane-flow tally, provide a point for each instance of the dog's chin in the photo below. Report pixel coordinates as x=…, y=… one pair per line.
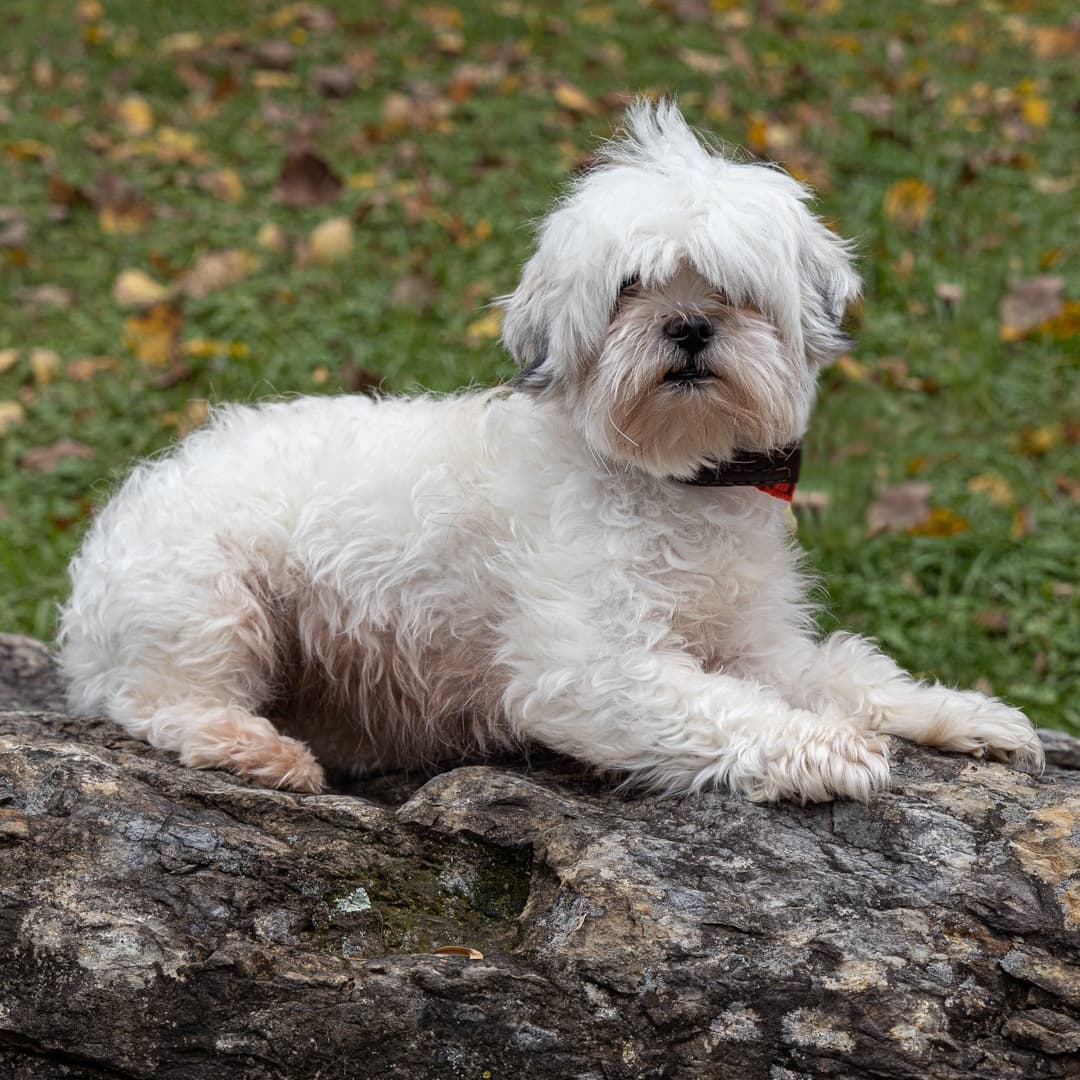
x=672, y=415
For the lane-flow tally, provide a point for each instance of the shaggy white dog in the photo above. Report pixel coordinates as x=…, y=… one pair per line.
x=594, y=559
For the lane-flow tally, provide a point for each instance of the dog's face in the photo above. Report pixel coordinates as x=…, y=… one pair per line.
x=680, y=304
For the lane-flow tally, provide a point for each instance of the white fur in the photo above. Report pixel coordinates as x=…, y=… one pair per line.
x=410, y=581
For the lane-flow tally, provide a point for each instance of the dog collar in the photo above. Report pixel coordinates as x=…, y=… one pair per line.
x=774, y=471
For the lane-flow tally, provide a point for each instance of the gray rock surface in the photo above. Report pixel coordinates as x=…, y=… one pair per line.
x=161, y=922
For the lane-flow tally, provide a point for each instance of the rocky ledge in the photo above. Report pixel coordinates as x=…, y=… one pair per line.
x=161, y=922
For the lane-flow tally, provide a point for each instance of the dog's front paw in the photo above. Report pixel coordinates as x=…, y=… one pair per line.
x=818, y=761
x=983, y=725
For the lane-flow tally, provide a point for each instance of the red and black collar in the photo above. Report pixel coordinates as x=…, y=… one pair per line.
x=775, y=472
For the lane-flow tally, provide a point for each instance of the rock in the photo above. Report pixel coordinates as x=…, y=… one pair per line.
x=161, y=922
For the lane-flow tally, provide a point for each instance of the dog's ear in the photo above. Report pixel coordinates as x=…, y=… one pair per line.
x=525, y=335
x=832, y=286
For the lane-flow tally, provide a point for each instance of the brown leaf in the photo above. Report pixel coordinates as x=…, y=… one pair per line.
x=1029, y=302
x=904, y=506
x=45, y=296
x=224, y=184
x=941, y=521
x=277, y=55
x=334, y=82
x=458, y=950
x=416, y=291
x=993, y=621
x=152, y=337
x=216, y=270
x=45, y=459
x=908, y=201
x=307, y=180
x=85, y=368
x=570, y=97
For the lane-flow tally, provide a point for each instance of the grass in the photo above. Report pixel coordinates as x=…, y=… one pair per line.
x=463, y=122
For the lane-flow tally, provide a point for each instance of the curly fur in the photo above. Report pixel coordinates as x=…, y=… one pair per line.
x=344, y=582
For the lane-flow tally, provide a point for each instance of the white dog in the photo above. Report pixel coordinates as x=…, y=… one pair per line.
x=595, y=559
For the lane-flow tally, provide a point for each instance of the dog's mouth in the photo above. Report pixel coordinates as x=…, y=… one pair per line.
x=687, y=376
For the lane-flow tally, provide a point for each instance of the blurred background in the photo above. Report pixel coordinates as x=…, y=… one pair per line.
x=219, y=200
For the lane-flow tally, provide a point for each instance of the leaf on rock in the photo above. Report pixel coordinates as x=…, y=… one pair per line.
x=898, y=508
x=458, y=950
x=307, y=180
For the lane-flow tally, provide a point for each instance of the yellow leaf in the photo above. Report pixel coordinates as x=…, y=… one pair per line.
x=994, y=487
x=850, y=368
x=136, y=115
x=7, y=359
x=185, y=41
x=570, y=97
x=193, y=415
x=124, y=220
x=217, y=270
x=941, y=522
x=363, y=181
x=224, y=184
x=908, y=201
x=1035, y=110
x=204, y=347
x=1034, y=442
x=271, y=237
x=44, y=363
x=485, y=328
x=274, y=80
x=136, y=289
x=89, y=11
x=11, y=413
x=332, y=240
x=28, y=149
x=85, y=368
x=152, y=337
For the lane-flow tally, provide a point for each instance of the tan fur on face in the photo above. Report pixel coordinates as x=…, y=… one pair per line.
x=758, y=398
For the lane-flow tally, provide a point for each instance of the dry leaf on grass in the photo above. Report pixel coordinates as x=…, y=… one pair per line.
x=44, y=364
x=152, y=337
x=45, y=459
x=307, y=180
x=137, y=289
x=8, y=359
x=908, y=202
x=11, y=413
x=331, y=241
x=1029, y=303
x=216, y=270
x=899, y=508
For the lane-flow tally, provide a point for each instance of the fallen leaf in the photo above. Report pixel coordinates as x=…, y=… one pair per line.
x=940, y=522
x=996, y=488
x=11, y=413
x=331, y=241
x=44, y=363
x=152, y=337
x=949, y=293
x=216, y=270
x=137, y=289
x=705, y=62
x=1029, y=302
x=85, y=368
x=570, y=97
x=135, y=115
x=271, y=237
x=907, y=202
x=485, y=328
x=993, y=621
x=851, y=368
x=193, y=415
x=1034, y=442
x=307, y=180
x=416, y=291
x=45, y=459
x=224, y=184
x=1023, y=523
x=46, y=296
x=1035, y=110
x=458, y=950
x=898, y=508
x=14, y=232
x=334, y=82
x=8, y=359
x=276, y=54
x=204, y=347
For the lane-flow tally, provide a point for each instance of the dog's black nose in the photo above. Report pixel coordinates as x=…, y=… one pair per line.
x=691, y=334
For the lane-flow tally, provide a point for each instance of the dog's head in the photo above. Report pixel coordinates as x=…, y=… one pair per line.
x=680, y=303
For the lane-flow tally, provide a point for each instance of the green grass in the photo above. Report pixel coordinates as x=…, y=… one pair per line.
x=980, y=97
